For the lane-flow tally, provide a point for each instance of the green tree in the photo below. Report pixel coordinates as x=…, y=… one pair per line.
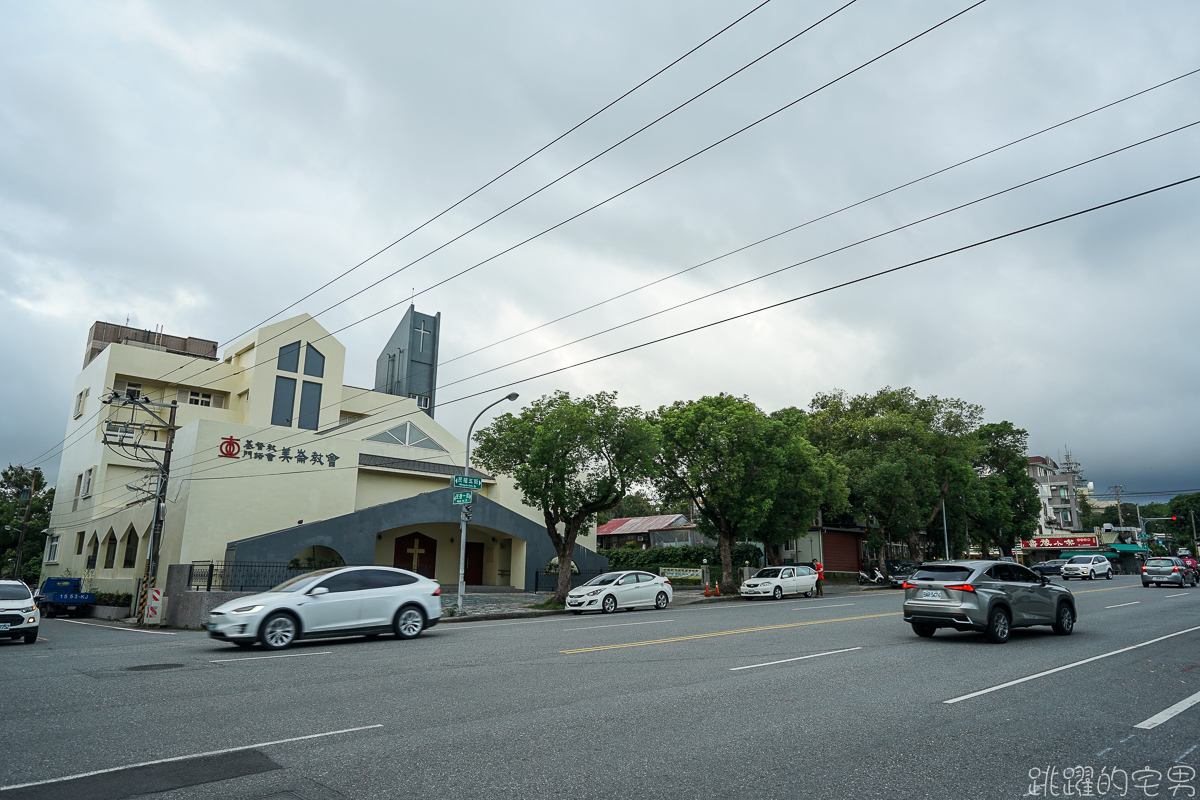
x=905, y=455
x=13, y=481
x=751, y=475
x=636, y=504
x=1187, y=508
x=572, y=459
x=1006, y=506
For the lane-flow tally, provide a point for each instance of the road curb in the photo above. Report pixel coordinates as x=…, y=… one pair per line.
x=500, y=615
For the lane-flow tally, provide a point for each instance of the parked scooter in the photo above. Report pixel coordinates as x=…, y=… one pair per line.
x=872, y=580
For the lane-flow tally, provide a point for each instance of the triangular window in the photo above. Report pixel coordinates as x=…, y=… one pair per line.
x=406, y=434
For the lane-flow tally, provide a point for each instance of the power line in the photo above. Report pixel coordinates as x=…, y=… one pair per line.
x=591, y=208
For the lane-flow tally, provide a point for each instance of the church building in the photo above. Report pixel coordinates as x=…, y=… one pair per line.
x=277, y=460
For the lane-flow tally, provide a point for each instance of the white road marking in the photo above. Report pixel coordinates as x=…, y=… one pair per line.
x=1067, y=666
x=619, y=625
x=185, y=758
x=1119, y=605
x=1168, y=713
x=798, y=658
x=1185, y=754
x=1181, y=594
x=115, y=627
x=260, y=658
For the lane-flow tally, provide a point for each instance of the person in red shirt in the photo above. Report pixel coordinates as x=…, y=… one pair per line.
x=820, y=577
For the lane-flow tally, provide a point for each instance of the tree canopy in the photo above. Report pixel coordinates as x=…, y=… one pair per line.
x=13, y=480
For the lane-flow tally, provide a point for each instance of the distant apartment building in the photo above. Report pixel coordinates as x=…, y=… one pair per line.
x=1059, y=491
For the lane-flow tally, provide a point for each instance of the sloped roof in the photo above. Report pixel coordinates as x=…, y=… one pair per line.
x=643, y=524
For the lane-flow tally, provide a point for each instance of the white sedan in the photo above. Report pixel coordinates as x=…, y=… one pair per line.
x=777, y=581
x=613, y=590
x=342, y=601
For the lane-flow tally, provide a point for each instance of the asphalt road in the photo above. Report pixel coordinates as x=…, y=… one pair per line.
x=820, y=698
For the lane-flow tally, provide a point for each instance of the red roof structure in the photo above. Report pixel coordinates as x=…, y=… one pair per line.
x=644, y=524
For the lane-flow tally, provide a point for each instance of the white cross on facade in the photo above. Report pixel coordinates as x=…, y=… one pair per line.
x=423, y=331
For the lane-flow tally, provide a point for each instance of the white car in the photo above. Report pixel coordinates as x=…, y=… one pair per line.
x=19, y=616
x=342, y=601
x=1086, y=568
x=613, y=590
x=777, y=581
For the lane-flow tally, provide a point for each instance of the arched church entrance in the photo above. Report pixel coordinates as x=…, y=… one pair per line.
x=416, y=552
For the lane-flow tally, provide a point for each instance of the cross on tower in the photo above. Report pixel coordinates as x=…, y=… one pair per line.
x=416, y=551
x=423, y=331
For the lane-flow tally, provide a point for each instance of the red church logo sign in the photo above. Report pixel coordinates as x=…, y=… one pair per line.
x=230, y=447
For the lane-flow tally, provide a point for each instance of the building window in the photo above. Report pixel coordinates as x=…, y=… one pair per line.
x=78, y=488
x=406, y=434
x=1066, y=517
x=285, y=401
x=131, y=546
x=133, y=390
x=86, y=483
x=79, y=543
x=110, y=552
x=200, y=399
x=314, y=362
x=289, y=357
x=310, y=405
x=79, y=398
x=52, y=549
x=422, y=401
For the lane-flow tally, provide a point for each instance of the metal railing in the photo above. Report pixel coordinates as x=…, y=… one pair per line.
x=240, y=576
x=548, y=581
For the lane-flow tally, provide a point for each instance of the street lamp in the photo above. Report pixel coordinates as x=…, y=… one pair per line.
x=462, y=522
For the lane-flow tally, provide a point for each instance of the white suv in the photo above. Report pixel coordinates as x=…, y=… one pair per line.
x=1087, y=568
x=19, y=617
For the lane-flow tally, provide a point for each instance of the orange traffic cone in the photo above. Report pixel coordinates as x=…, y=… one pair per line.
x=717, y=589
x=707, y=593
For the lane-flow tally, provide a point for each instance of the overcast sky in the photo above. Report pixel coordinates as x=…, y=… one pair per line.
x=201, y=166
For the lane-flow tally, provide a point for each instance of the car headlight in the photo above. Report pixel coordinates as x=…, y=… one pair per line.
x=246, y=610
x=27, y=610
x=594, y=592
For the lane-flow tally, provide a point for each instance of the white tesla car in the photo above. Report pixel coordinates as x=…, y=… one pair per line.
x=613, y=590
x=342, y=601
x=777, y=581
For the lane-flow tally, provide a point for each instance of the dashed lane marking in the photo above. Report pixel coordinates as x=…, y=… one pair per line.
x=260, y=658
x=797, y=658
x=1122, y=605
x=724, y=633
x=115, y=627
x=1168, y=713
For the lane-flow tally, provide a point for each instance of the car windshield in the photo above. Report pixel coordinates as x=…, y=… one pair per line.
x=943, y=573
x=300, y=581
x=1080, y=560
x=772, y=572
x=1160, y=562
x=14, y=591
x=605, y=579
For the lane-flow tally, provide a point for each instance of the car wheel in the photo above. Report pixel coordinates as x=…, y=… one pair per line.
x=1145, y=586
x=1091, y=576
x=278, y=631
x=609, y=605
x=660, y=602
x=998, y=627
x=924, y=631
x=1064, y=623
x=808, y=593
x=1108, y=577
x=409, y=622
x=778, y=593
x=31, y=636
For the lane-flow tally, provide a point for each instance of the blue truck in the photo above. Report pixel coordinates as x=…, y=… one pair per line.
x=63, y=596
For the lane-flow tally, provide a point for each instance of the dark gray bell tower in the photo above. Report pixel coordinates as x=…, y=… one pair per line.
x=407, y=367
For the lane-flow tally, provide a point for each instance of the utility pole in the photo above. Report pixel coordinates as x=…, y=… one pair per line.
x=945, y=533
x=1193, y=513
x=33, y=476
x=125, y=438
x=1120, y=516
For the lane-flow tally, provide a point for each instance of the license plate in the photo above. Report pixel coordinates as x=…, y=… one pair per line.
x=930, y=594
x=212, y=626
x=1160, y=579
x=3, y=626
x=574, y=602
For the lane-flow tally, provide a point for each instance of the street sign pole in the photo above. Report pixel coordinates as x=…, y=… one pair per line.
x=462, y=517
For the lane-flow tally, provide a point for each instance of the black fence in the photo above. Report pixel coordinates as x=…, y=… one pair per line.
x=548, y=581
x=240, y=576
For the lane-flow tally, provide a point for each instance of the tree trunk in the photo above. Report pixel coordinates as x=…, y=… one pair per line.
x=725, y=545
x=915, y=550
x=566, y=550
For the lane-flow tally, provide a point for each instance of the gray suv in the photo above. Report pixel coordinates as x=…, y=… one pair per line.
x=989, y=596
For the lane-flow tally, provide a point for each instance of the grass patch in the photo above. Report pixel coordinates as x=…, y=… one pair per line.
x=548, y=605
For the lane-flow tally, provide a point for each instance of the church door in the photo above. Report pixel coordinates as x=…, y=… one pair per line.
x=474, y=566
x=416, y=552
